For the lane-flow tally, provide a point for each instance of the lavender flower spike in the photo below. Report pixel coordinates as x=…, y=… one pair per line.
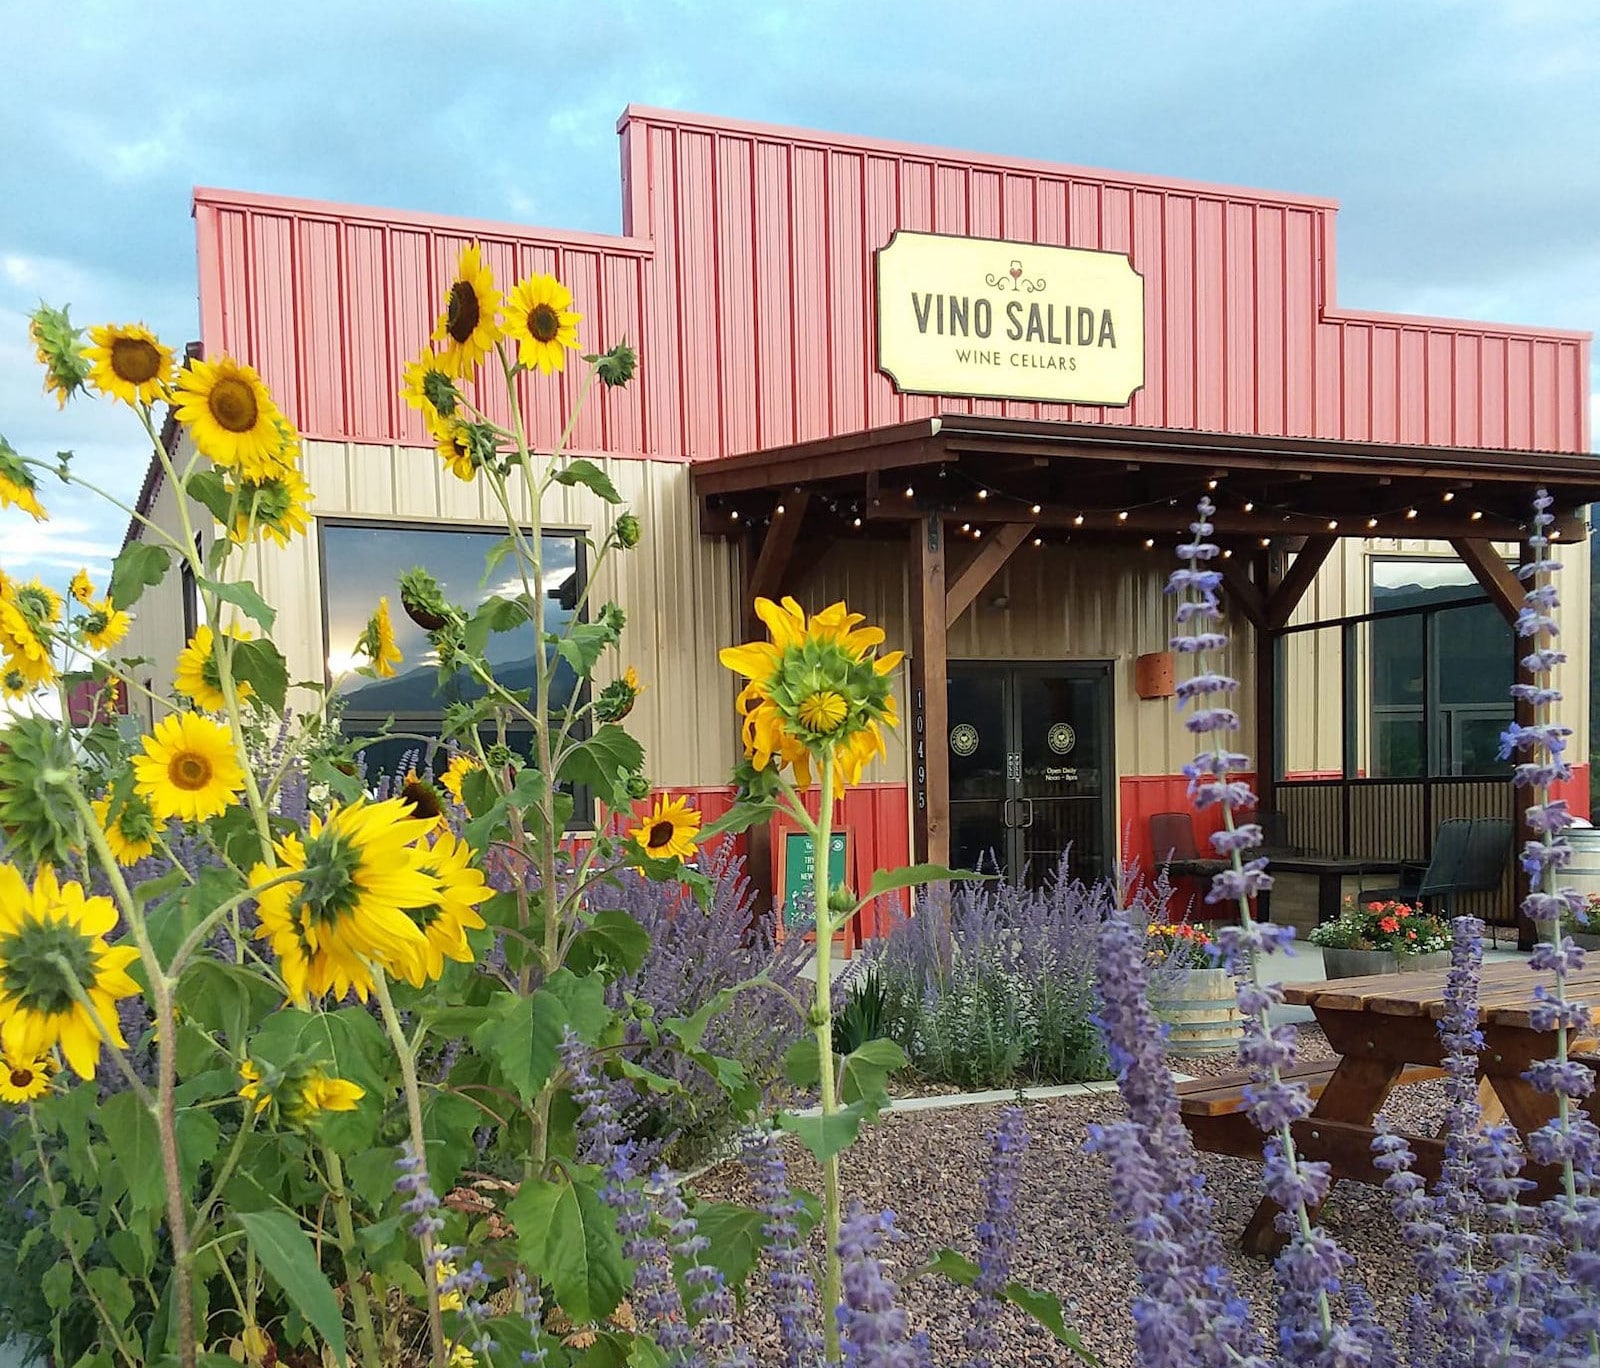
x=997, y=1233
x=795, y=1288
x=873, y=1329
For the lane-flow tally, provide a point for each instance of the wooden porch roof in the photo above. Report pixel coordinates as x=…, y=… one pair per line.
x=1088, y=479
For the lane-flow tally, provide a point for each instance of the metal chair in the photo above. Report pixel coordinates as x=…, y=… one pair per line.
x=1469, y=856
x=1172, y=841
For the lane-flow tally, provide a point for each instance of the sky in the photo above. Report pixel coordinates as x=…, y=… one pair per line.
x=1458, y=136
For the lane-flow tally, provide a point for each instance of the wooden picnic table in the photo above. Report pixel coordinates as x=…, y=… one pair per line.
x=1385, y=1029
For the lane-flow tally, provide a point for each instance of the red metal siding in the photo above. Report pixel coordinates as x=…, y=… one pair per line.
x=747, y=285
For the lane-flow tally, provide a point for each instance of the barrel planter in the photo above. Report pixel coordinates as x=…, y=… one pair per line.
x=1340, y=964
x=1583, y=875
x=1202, y=1013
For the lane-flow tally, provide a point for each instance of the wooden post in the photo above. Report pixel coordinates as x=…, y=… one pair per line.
x=929, y=722
x=1266, y=687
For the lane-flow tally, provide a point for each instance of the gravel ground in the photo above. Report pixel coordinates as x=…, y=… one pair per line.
x=927, y=1168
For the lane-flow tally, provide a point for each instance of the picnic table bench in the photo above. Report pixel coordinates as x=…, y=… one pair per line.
x=1386, y=1029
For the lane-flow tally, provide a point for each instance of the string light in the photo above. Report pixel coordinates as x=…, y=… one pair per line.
x=1249, y=507
x=1038, y=541
x=910, y=491
x=1227, y=551
x=1037, y=510
x=983, y=493
x=1372, y=522
x=1333, y=524
x=734, y=515
x=779, y=509
x=1211, y=484
x=1122, y=516
x=1149, y=542
x=1078, y=521
x=1449, y=494
x=966, y=527
x=976, y=533
x=1266, y=541
x=1477, y=515
x=1411, y=513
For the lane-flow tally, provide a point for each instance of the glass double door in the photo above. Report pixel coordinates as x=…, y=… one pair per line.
x=1030, y=768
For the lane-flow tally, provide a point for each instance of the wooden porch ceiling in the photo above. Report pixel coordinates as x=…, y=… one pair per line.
x=1101, y=480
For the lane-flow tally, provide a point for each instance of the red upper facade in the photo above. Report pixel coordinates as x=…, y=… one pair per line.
x=744, y=275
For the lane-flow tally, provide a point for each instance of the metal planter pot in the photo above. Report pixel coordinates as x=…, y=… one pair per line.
x=1359, y=963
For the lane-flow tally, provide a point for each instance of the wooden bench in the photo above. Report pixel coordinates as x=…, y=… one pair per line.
x=1213, y=1109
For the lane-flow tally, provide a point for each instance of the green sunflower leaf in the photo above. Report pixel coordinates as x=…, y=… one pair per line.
x=243, y=596
x=131, y=1128
x=591, y=477
x=912, y=876
x=612, y=938
x=603, y=764
x=263, y=666
x=138, y=566
x=290, y=1257
x=568, y=1234
x=823, y=1135
x=207, y=487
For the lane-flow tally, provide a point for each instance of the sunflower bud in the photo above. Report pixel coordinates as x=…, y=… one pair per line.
x=638, y=787
x=501, y=755
x=841, y=900
x=440, y=391
x=627, y=531
x=423, y=600
x=615, y=367
x=59, y=347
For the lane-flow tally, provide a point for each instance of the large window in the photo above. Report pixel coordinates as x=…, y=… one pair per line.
x=1440, y=674
x=363, y=562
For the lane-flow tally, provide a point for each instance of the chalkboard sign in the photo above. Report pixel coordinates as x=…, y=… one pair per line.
x=797, y=872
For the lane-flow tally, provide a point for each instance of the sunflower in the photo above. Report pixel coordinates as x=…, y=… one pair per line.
x=616, y=700
x=45, y=932
x=104, y=626
x=280, y=505
x=354, y=876
x=59, y=347
x=377, y=642
x=426, y=386
x=539, y=316
x=668, y=832
x=131, y=833
x=196, y=674
x=453, y=442
x=232, y=418
x=319, y=1093
x=817, y=689
x=17, y=485
x=129, y=363
x=81, y=588
x=23, y=1080
x=460, y=766
x=189, y=769
x=424, y=798
x=446, y=921
x=469, y=325
x=251, y=1089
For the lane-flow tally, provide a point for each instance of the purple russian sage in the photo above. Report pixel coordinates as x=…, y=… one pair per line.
x=604, y=1142
x=1188, y=1313
x=872, y=1326
x=1570, y=1142
x=795, y=1299
x=997, y=1233
x=1311, y=1267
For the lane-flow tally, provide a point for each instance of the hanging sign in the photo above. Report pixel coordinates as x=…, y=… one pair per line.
x=1009, y=320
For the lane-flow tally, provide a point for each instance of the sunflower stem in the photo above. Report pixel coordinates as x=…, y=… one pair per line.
x=360, y=1303
x=419, y=1146
x=822, y=1015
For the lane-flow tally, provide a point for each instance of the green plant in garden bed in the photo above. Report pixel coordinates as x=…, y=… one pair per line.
x=1388, y=925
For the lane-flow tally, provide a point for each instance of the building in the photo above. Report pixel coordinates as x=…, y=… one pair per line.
x=976, y=397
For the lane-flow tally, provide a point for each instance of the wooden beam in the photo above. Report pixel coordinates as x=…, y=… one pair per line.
x=1265, y=679
x=930, y=703
x=1286, y=597
x=777, y=550
x=1498, y=580
x=992, y=553
x=1243, y=593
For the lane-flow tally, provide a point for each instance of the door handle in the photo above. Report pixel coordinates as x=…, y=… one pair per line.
x=1005, y=814
x=1028, y=822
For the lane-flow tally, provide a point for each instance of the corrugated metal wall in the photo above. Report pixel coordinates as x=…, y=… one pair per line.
x=746, y=280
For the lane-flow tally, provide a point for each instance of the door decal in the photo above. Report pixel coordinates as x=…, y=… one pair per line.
x=964, y=738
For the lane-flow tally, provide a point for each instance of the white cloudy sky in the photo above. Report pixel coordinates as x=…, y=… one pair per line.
x=1458, y=135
